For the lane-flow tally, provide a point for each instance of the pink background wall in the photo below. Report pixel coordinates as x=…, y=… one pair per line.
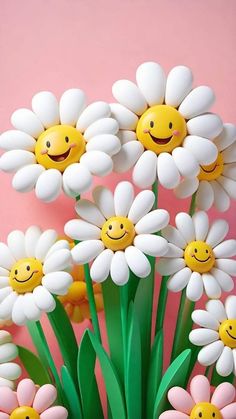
x=58, y=44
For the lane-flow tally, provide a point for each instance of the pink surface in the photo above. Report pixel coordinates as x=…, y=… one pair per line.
x=58, y=44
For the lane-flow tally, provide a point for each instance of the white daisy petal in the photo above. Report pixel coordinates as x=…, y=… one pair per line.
x=126, y=136
x=26, y=121
x=230, y=171
x=186, y=188
x=185, y=162
x=71, y=105
x=104, y=200
x=58, y=261
x=201, y=225
x=11, y=385
x=204, y=319
x=77, y=179
x=82, y=230
x=144, y=173
x=201, y=337
x=210, y=353
x=137, y=262
x=89, y=212
x=57, y=282
x=151, y=244
x=101, y=126
x=3, y=271
x=151, y=82
x=225, y=363
x=16, y=244
x=45, y=106
x=178, y=85
x=107, y=143
x=179, y=280
x=45, y=241
x=127, y=93
x=218, y=230
x=15, y=139
x=123, y=198
x=229, y=186
x=217, y=309
x=152, y=222
x=32, y=236
x=221, y=198
x=227, y=265
x=7, y=305
x=184, y=224
x=194, y=289
x=203, y=150
x=170, y=266
x=205, y=195
x=208, y=125
x=167, y=171
x=86, y=251
x=13, y=160
x=43, y=299
x=10, y=371
x=141, y=205
x=6, y=257
x=174, y=251
x=101, y=266
x=229, y=155
x=198, y=101
x=18, y=315
x=31, y=311
x=119, y=269
x=225, y=249
x=226, y=137
x=97, y=162
x=4, y=292
x=211, y=286
x=127, y=156
x=224, y=280
x=60, y=244
x=25, y=178
x=4, y=281
x=92, y=113
x=125, y=118
x=173, y=235
x=230, y=306
x=48, y=186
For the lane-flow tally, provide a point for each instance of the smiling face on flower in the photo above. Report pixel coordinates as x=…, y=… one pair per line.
x=26, y=274
x=212, y=171
x=227, y=332
x=24, y=412
x=199, y=256
x=118, y=233
x=205, y=411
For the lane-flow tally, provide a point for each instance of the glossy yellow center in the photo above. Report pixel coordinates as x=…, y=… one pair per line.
x=199, y=256
x=161, y=128
x=118, y=233
x=205, y=411
x=26, y=274
x=59, y=146
x=212, y=171
x=24, y=412
x=227, y=333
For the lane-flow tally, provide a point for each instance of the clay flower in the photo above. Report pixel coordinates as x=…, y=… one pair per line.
x=200, y=403
x=9, y=371
x=198, y=256
x=32, y=268
x=117, y=232
x=29, y=402
x=59, y=146
x=165, y=127
x=217, y=335
x=216, y=183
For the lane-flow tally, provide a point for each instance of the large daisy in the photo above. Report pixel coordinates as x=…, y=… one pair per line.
x=217, y=335
x=117, y=231
x=59, y=146
x=165, y=127
x=216, y=183
x=200, y=403
x=198, y=257
x=9, y=370
x=32, y=268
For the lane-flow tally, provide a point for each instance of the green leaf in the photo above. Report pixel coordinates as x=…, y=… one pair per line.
x=71, y=394
x=34, y=367
x=87, y=379
x=175, y=375
x=217, y=379
x=155, y=372
x=111, y=379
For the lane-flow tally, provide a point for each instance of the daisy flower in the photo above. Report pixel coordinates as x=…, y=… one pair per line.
x=198, y=257
x=9, y=371
x=165, y=127
x=216, y=183
x=30, y=402
x=59, y=146
x=32, y=268
x=200, y=403
x=117, y=231
x=217, y=335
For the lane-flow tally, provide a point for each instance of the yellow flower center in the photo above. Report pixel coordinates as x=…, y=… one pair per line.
x=118, y=233
x=59, y=146
x=205, y=411
x=161, y=129
x=199, y=256
x=26, y=274
x=212, y=171
x=24, y=412
x=227, y=333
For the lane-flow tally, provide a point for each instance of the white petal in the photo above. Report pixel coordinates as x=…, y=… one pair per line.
x=77, y=179
x=186, y=188
x=72, y=103
x=16, y=244
x=48, y=186
x=123, y=198
x=86, y=251
x=60, y=244
x=4, y=292
x=201, y=337
x=127, y=93
x=10, y=371
x=104, y=200
x=179, y=280
x=119, y=269
x=185, y=162
x=198, y=101
x=226, y=137
x=18, y=315
x=152, y=222
x=127, y=156
x=230, y=306
x=13, y=160
x=218, y=230
x=43, y=299
x=207, y=126
x=101, y=266
x=5, y=337
x=26, y=121
x=151, y=244
x=81, y=230
x=225, y=249
x=151, y=82
x=144, y=173
x=92, y=113
x=57, y=282
x=7, y=305
x=201, y=225
x=137, y=262
x=45, y=106
x=225, y=363
x=97, y=162
x=230, y=171
x=125, y=118
x=31, y=311
x=14, y=139
x=107, y=143
x=184, y=224
x=89, y=212
x=167, y=171
x=194, y=289
x=217, y=309
x=170, y=266
x=227, y=265
x=178, y=85
x=174, y=251
x=205, y=195
x=210, y=353
x=100, y=127
x=203, y=150
x=229, y=186
x=221, y=198
x=224, y=280
x=141, y=205
x=211, y=286
x=126, y=136
x=3, y=271
x=4, y=281
x=58, y=261
x=229, y=154
x=32, y=236
x=46, y=240
x=173, y=236
x=25, y=179
x=6, y=258
x=204, y=319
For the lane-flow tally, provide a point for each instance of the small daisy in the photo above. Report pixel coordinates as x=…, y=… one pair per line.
x=117, y=231
x=30, y=402
x=198, y=256
x=216, y=183
x=32, y=268
x=9, y=371
x=165, y=127
x=217, y=335
x=200, y=403
x=59, y=146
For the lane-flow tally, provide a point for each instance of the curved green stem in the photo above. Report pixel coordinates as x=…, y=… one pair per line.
x=161, y=306
x=92, y=304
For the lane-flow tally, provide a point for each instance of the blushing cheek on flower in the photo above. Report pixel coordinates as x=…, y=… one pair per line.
x=199, y=256
x=26, y=274
x=117, y=233
x=24, y=412
x=227, y=333
x=205, y=411
x=212, y=171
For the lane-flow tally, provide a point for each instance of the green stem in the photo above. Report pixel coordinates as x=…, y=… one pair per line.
x=161, y=306
x=124, y=315
x=92, y=304
x=192, y=205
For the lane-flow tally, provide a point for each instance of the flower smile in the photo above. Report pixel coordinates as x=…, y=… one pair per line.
x=59, y=157
x=25, y=280
x=160, y=141
x=231, y=336
x=203, y=260
x=209, y=171
x=117, y=238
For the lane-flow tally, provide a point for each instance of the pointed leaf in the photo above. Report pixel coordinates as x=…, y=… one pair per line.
x=71, y=394
x=34, y=367
x=217, y=379
x=155, y=372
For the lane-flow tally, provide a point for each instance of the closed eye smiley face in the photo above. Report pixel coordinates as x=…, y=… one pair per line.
x=24, y=412
x=161, y=129
x=227, y=332
x=205, y=411
x=117, y=233
x=212, y=171
x=26, y=274
x=199, y=256
x=59, y=146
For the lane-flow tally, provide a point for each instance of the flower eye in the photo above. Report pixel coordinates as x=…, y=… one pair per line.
x=200, y=415
x=151, y=124
x=207, y=251
x=122, y=226
x=16, y=272
x=230, y=328
x=213, y=414
x=110, y=227
x=28, y=268
x=170, y=125
x=195, y=250
x=48, y=144
x=67, y=139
